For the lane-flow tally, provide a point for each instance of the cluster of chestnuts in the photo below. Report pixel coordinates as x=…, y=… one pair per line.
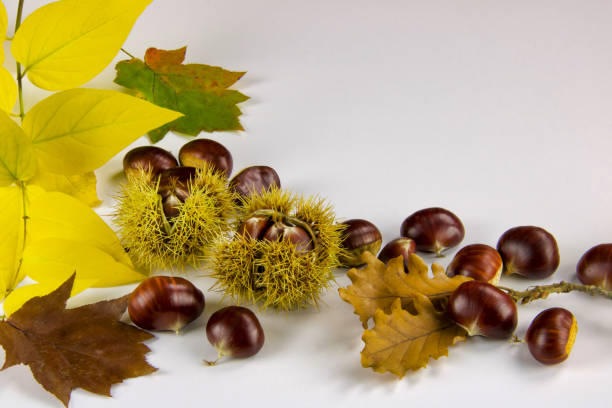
x=170, y=303
x=170, y=212
x=479, y=306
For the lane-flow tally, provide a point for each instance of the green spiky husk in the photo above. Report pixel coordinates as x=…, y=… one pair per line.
x=273, y=274
x=155, y=243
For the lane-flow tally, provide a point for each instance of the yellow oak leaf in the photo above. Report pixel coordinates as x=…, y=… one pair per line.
x=80, y=186
x=8, y=90
x=377, y=285
x=77, y=131
x=66, y=43
x=17, y=160
x=402, y=341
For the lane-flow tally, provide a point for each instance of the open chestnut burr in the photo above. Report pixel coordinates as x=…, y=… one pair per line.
x=174, y=188
x=433, y=230
x=529, y=251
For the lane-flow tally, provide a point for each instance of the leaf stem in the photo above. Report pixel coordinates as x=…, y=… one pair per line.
x=127, y=53
x=19, y=73
x=542, y=292
x=25, y=218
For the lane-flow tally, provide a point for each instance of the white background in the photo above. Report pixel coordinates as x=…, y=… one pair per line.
x=498, y=111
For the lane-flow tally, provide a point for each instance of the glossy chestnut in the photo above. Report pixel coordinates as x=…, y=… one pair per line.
x=359, y=236
x=399, y=246
x=149, y=158
x=234, y=331
x=165, y=303
x=174, y=187
x=551, y=335
x=254, y=179
x=201, y=151
x=433, y=229
x=595, y=266
x=280, y=231
x=482, y=309
x=477, y=261
x=254, y=227
x=529, y=251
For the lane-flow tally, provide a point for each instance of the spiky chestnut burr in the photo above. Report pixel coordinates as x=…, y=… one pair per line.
x=172, y=234
x=281, y=274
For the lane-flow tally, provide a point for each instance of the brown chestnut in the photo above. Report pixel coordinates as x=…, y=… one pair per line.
x=165, y=303
x=149, y=158
x=297, y=235
x=359, y=236
x=529, y=251
x=551, y=335
x=200, y=151
x=482, y=309
x=433, y=230
x=254, y=179
x=174, y=188
x=254, y=227
x=595, y=266
x=399, y=246
x=234, y=331
x=477, y=261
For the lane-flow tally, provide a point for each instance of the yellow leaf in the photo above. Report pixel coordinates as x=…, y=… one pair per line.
x=377, y=286
x=401, y=341
x=59, y=216
x=11, y=237
x=80, y=186
x=76, y=131
x=53, y=259
x=3, y=27
x=8, y=90
x=19, y=296
x=66, y=43
x=17, y=161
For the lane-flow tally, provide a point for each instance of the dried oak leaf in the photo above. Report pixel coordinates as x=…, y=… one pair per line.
x=85, y=347
x=198, y=91
x=402, y=341
x=377, y=286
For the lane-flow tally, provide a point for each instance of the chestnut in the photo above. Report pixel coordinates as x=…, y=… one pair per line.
x=297, y=235
x=433, y=230
x=477, y=261
x=149, y=158
x=254, y=227
x=200, y=151
x=234, y=331
x=359, y=236
x=529, y=251
x=399, y=246
x=254, y=179
x=595, y=267
x=174, y=188
x=482, y=309
x=165, y=303
x=551, y=335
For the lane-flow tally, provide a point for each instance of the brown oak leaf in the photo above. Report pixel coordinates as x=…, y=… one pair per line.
x=377, y=286
x=86, y=347
x=402, y=341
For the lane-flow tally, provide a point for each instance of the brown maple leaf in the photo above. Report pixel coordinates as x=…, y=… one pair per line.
x=377, y=286
x=86, y=347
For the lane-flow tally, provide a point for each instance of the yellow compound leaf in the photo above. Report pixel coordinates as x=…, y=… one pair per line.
x=80, y=186
x=11, y=237
x=77, y=131
x=66, y=43
x=19, y=296
x=3, y=27
x=8, y=90
x=401, y=341
x=17, y=161
x=377, y=286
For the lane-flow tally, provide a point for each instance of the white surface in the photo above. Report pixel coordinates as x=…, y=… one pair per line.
x=498, y=111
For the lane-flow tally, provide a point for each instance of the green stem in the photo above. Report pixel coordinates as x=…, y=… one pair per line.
x=25, y=218
x=127, y=53
x=542, y=292
x=19, y=73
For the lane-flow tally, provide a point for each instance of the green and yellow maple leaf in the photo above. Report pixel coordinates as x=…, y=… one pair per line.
x=198, y=91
